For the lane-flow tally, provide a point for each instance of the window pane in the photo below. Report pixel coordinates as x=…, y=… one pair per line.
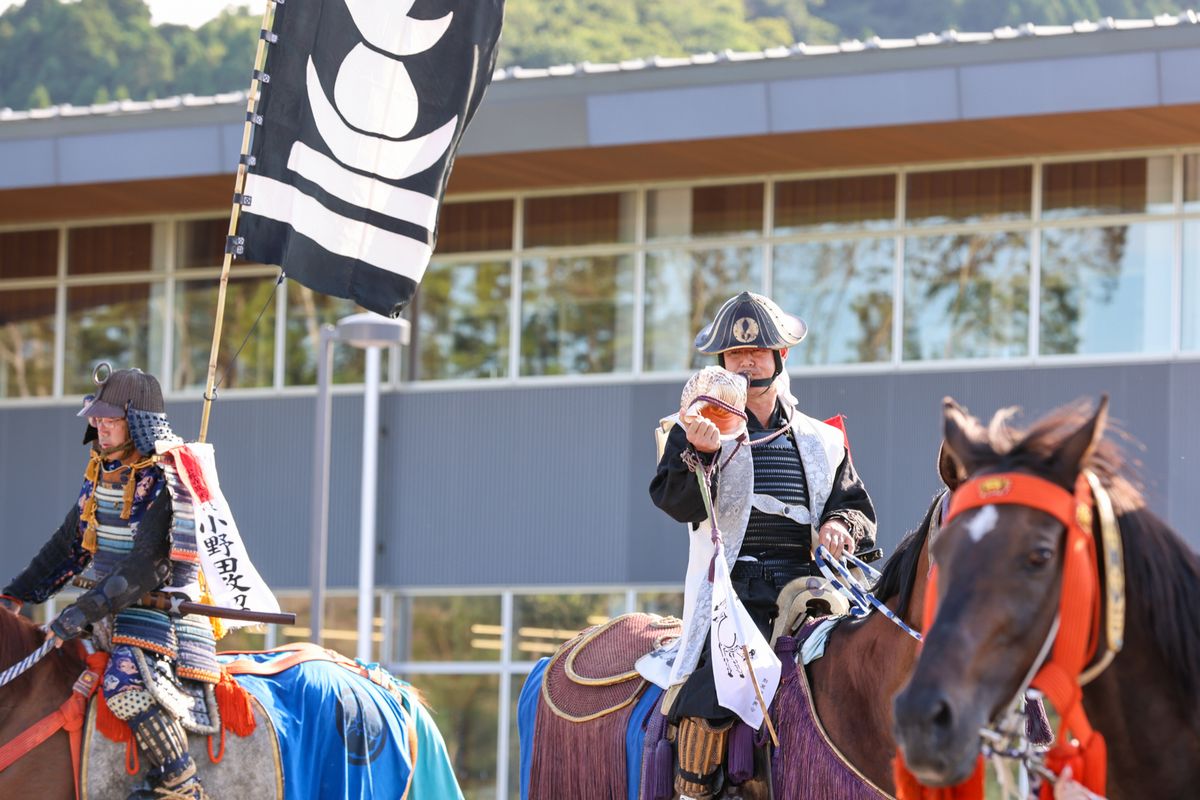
x=969, y=195
x=1191, y=183
x=1107, y=290
x=307, y=311
x=835, y=204
x=683, y=292
x=472, y=227
x=111, y=248
x=29, y=254
x=1122, y=186
x=665, y=604
x=577, y=315
x=195, y=315
x=466, y=709
x=843, y=290
x=118, y=323
x=27, y=343
x=1191, y=285
x=542, y=622
x=705, y=211
x=200, y=243
x=579, y=219
x=966, y=296
x=455, y=628
x=462, y=320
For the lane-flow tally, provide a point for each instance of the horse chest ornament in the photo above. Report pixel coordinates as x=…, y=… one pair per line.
x=1071, y=644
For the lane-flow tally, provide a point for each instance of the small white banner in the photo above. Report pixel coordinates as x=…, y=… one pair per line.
x=733, y=636
x=232, y=580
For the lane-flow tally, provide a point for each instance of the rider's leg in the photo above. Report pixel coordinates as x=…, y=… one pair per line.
x=700, y=749
x=159, y=736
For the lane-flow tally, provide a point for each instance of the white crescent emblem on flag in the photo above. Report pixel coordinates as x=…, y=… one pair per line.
x=387, y=26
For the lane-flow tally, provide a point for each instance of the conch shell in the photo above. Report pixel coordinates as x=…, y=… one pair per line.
x=718, y=395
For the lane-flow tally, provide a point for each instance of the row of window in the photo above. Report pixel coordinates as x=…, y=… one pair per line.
x=1097, y=257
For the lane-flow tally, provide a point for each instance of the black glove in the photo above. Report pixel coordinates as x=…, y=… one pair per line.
x=72, y=622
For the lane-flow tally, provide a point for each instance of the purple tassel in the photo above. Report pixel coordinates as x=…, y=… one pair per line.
x=785, y=648
x=1037, y=724
x=663, y=779
x=739, y=755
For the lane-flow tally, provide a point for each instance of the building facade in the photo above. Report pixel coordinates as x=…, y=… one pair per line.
x=1010, y=218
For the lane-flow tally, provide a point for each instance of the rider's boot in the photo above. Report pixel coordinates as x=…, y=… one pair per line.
x=700, y=751
x=162, y=741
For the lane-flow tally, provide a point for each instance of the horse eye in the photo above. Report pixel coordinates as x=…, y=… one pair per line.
x=1040, y=557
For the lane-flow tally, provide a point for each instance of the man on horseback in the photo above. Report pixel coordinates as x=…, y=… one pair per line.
x=804, y=492
x=119, y=541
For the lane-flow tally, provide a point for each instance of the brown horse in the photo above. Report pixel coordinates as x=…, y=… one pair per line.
x=865, y=663
x=47, y=771
x=999, y=587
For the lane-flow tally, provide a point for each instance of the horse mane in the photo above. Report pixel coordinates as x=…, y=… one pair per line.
x=899, y=574
x=18, y=638
x=1162, y=572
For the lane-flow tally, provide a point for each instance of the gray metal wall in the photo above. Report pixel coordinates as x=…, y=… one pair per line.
x=542, y=485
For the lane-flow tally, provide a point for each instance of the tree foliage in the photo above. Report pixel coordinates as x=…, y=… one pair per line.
x=91, y=51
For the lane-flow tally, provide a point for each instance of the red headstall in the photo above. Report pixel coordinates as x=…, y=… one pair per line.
x=1077, y=745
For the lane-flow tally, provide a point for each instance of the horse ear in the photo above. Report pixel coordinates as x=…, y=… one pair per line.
x=948, y=469
x=1074, y=451
x=962, y=436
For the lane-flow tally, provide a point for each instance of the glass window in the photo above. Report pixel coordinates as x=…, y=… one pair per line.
x=118, y=323
x=843, y=290
x=986, y=194
x=474, y=227
x=1107, y=289
x=463, y=628
x=307, y=311
x=29, y=254
x=966, y=296
x=580, y=219
x=544, y=621
x=195, y=315
x=866, y=202
x=684, y=289
x=1115, y=186
x=27, y=342
x=665, y=604
x=705, y=211
x=577, y=315
x=200, y=243
x=1191, y=183
x=466, y=709
x=1191, y=285
x=462, y=320
x=110, y=248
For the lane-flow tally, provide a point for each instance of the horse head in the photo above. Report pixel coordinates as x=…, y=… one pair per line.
x=999, y=568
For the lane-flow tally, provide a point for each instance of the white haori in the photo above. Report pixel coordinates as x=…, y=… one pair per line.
x=822, y=448
x=230, y=577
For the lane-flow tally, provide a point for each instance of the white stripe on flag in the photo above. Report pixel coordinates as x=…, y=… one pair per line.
x=362, y=191
x=339, y=235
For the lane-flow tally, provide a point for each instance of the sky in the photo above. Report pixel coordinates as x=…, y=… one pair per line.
x=186, y=12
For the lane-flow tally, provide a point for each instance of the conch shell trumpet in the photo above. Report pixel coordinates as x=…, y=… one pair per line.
x=718, y=395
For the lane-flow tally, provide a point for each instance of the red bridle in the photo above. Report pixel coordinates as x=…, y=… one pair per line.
x=1077, y=745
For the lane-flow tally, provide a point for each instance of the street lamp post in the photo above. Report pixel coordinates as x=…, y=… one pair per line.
x=370, y=332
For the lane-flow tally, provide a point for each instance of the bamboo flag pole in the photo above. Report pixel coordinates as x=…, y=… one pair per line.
x=260, y=56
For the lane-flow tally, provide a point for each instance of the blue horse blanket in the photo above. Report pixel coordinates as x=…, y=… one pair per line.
x=343, y=737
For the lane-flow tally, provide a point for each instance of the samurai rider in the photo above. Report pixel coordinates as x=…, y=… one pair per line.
x=801, y=488
x=120, y=540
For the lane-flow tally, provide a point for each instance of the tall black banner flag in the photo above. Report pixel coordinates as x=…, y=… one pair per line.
x=362, y=109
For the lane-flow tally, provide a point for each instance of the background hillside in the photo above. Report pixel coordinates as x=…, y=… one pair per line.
x=93, y=51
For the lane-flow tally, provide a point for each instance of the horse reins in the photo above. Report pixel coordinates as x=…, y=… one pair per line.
x=1061, y=677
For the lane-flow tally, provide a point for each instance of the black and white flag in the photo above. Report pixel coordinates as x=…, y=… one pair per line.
x=361, y=114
